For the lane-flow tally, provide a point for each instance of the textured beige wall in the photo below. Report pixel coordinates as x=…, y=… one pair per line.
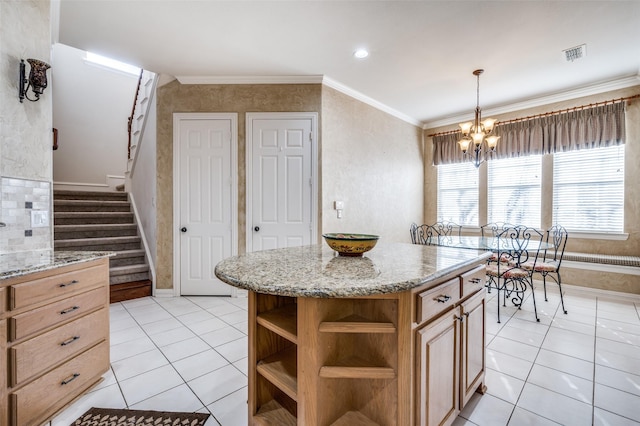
x=631, y=246
x=175, y=97
x=373, y=162
x=25, y=128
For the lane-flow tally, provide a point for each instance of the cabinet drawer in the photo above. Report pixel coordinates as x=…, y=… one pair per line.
x=27, y=323
x=436, y=300
x=473, y=280
x=47, y=288
x=33, y=356
x=33, y=403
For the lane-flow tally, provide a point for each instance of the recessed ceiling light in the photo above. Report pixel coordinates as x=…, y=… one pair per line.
x=361, y=53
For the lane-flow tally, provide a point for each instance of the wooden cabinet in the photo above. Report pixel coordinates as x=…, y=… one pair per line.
x=407, y=358
x=450, y=358
x=54, y=337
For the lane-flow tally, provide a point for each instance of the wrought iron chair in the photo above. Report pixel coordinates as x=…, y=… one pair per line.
x=492, y=230
x=495, y=228
x=447, y=229
x=427, y=234
x=549, y=264
x=423, y=234
x=515, y=246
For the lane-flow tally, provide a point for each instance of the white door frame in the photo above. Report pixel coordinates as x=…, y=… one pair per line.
x=177, y=118
x=250, y=116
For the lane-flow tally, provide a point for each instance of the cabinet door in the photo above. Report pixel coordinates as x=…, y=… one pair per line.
x=437, y=367
x=472, y=354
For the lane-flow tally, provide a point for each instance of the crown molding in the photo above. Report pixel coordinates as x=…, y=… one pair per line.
x=327, y=81
x=251, y=79
x=594, y=89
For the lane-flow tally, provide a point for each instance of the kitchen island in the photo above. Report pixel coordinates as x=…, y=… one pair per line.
x=395, y=337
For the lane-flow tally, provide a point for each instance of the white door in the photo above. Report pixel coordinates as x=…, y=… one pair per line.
x=280, y=180
x=206, y=200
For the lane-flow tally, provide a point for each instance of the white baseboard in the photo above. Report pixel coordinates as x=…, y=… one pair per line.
x=163, y=292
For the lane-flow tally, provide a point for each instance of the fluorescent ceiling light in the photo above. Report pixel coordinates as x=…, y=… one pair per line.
x=112, y=63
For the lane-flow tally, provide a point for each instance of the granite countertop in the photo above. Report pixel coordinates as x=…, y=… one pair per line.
x=317, y=271
x=22, y=263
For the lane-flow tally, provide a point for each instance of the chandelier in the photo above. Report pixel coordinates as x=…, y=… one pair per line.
x=478, y=132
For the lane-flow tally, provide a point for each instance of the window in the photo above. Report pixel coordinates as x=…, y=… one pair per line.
x=458, y=193
x=588, y=189
x=513, y=190
x=112, y=64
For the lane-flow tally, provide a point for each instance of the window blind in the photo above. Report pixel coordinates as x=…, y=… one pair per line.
x=588, y=189
x=513, y=191
x=458, y=193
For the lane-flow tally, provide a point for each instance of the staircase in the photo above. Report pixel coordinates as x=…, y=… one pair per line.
x=103, y=221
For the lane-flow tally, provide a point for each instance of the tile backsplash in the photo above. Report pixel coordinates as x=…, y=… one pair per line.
x=19, y=197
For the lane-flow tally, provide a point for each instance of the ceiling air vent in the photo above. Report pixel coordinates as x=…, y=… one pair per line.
x=575, y=52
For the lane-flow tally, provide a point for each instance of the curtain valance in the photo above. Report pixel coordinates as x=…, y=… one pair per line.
x=586, y=128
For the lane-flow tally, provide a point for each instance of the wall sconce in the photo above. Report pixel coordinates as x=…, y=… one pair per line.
x=37, y=79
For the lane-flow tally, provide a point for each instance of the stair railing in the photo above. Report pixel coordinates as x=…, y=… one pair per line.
x=131, y=117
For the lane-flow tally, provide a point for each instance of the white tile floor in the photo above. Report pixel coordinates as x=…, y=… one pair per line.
x=190, y=354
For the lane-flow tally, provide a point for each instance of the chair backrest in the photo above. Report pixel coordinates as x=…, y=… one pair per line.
x=495, y=228
x=558, y=236
x=423, y=234
x=520, y=243
x=447, y=229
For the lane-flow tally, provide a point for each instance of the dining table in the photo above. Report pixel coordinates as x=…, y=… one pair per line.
x=511, y=288
x=486, y=243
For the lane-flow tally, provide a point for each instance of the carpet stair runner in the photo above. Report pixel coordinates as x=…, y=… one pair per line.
x=103, y=221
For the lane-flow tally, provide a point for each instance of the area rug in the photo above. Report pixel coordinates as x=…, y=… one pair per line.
x=122, y=417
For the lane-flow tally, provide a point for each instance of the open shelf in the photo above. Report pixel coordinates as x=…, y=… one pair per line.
x=356, y=368
x=354, y=418
x=281, y=370
x=282, y=321
x=274, y=414
x=356, y=324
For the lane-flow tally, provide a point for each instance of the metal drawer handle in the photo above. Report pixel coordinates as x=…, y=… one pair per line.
x=442, y=298
x=476, y=280
x=70, y=341
x=70, y=379
x=71, y=309
x=69, y=283
x=459, y=318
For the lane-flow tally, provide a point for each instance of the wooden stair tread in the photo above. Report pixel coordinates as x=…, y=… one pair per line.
x=356, y=324
x=354, y=418
x=282, y=321
x=281, y=370
x=274, y=414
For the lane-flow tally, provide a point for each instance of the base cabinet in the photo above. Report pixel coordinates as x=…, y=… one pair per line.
x=450, y=362
x=408, y=358
x=55, y=339
x=438, y=357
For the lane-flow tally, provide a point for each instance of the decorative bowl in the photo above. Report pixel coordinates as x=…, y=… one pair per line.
x=351, y=244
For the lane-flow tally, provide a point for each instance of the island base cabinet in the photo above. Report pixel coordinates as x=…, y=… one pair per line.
x=438, y=359
x=472, y=349
x=450, y=358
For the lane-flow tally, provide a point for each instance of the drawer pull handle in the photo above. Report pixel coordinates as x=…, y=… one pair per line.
x=71, y=309
x=70, y=379
x=442, y=298
x=70, y=341
x=69, y=283
x=475, y=280
x=459, y=318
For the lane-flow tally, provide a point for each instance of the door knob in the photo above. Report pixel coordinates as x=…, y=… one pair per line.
x=183, y=229
x=257, y=228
